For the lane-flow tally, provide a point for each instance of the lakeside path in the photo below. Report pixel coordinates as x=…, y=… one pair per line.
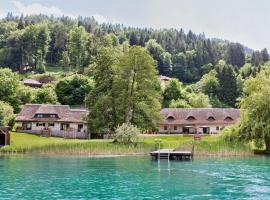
x=212, y=145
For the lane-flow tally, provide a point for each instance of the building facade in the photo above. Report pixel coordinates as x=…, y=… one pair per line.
x=53, y=120
x=197, y=120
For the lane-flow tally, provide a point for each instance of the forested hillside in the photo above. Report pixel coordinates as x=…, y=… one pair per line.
x=207, y=72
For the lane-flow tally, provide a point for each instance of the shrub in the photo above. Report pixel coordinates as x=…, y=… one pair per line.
x=40, y=68
x=230, y=135
x=127, y=134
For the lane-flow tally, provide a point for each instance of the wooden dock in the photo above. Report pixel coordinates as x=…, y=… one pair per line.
x=171, y=154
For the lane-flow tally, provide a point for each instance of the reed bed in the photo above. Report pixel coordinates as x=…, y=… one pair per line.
x=208, y=146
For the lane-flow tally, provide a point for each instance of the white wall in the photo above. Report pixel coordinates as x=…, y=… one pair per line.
x=170, y=128
x=56, y=127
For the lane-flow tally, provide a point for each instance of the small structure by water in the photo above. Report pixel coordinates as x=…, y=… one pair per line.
x=171, y=154
x=4, y=136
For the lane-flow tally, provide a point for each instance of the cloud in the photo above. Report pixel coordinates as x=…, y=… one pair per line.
x=37, y=8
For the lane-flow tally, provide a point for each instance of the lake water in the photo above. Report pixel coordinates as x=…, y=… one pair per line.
x=27, y=177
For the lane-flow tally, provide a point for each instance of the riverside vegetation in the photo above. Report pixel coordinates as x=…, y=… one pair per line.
x=22, y=143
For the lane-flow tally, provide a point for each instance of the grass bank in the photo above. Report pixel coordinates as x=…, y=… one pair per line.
x=208, y=146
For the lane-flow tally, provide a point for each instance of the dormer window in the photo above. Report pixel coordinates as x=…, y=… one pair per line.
x=170, y=118
x=228, y=118
x=46, y=116
x=211, y=118
x=191, y=118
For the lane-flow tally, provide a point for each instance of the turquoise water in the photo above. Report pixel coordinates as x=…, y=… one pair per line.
x=26, y=177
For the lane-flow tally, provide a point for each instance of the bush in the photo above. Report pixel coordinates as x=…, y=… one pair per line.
x=230, y=135
x=127, y=134
x=40, y=68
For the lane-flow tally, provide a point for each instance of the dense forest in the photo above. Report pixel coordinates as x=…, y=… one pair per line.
x=98, y=61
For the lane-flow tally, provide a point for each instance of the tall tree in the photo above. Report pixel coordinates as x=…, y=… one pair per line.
x=256, y=58
x=265, y=55
x=77, y=38
x=102, y=99
x=173, y=91
x=255, y=117
x=227, y=92
x=138, y=86
x=236, y=55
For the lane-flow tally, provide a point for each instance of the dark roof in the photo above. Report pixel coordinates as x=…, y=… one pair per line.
x=64, y=113
x=200, y=116
x=32, y=82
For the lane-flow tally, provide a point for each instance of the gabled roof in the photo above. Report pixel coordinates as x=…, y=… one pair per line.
x=201, y=116
x=64, y=112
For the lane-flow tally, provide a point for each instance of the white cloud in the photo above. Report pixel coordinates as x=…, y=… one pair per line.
x=37, y=8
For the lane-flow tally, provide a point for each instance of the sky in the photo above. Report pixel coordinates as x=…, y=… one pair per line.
x=244, y=21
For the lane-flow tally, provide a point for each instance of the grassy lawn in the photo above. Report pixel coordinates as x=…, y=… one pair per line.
x=209, y=145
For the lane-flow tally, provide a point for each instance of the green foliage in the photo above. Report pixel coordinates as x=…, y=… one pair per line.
x=179, y=103
x=198, y=100
x=209, y=84
x=77, y=38
x=127, y=134
x=126, y=90
x=72, y=90
x=255, y=118
x=45, y=95
x=139, y=91
x=236, y=55
x=227, y=92
x=40, y=67
x=173, y=91
x=7, y=117
x=9, y=83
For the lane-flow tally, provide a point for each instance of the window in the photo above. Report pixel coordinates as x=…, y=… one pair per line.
x=39, y=116
x=228, y=118
x=27, y=125
x=51, y=124
x=170, y=118
x=64, y=126
x=40, y=124
x=211, y=118
x=175, y=128
x=191, y=118
x=217, y=128
x=52, y=116
x=165, y=128
x=80, y=127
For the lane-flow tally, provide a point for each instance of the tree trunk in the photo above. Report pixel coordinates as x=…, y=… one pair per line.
x=129, y=111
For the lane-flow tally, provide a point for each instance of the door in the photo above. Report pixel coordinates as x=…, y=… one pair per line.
x=2, y=139
x=205, y=129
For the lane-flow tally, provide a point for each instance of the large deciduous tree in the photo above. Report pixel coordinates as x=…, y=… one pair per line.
x=77, y=39
x=255, y=118
x=139, y=89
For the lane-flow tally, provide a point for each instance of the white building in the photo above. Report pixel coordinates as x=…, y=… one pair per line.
x=52, y=120
x=197, y=120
